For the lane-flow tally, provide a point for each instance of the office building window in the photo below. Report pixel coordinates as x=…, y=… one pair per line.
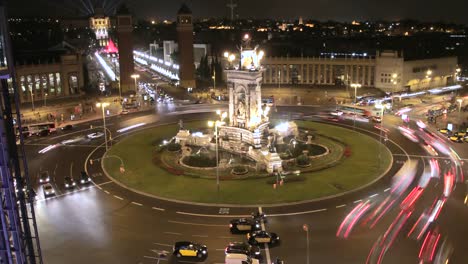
x=58, y=83
x=51, y=83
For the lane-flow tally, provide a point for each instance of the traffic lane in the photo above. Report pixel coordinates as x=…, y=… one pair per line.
x=60, y=163
x=115, y=233
x=128, y=229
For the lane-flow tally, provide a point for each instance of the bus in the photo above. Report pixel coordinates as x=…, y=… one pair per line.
x=359, y=110
x=36, y=129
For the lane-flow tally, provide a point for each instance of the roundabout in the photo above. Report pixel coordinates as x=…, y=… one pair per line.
x=159, y=172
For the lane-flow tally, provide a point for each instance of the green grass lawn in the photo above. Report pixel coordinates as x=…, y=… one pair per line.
x=360, y=168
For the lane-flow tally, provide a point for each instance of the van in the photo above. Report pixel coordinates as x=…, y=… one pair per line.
x=240, y=259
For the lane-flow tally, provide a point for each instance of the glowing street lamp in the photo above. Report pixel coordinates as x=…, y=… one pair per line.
x=135, y=77
x=45, y=99
x=103, y=106
x=355, y=86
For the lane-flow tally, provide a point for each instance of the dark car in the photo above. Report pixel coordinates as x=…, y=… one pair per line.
x=243, y=225
x=260, y=236
x=243, y=248
x=43, y=133
x=69, y=182
x=189, y=249
x=67, y=127
x=84, y=178
x=44, y=177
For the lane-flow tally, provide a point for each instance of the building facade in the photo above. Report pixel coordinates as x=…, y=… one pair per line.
x=53, y=80
x=185, y=43
x=125, y=45
x=388, y=71
x=100, y=24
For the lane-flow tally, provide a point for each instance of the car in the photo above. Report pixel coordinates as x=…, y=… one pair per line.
x=239, y=259
x=69, y=182
x=243, y=248
x=189, y=249
x=443, y=131
x=466, y=138
x=44, y=177
x=67, y=127
x=242, y=225
x=456, y=139
x=260, y=236
x=84, y=178
x=43, y=133
x=124, y=112
x=460, y=134
x=48, y=190
x=95, y=135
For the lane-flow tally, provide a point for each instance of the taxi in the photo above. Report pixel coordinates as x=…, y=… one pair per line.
x=443, y=131
x=189, y=249
x=460, y=133
x=456, y=139
x=243, y=225
x=260, y=236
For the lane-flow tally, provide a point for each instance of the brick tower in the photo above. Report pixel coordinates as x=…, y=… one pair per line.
x=125, y=45
x=185, y=38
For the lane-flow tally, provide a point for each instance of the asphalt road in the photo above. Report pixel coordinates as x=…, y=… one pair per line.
x=105, y=223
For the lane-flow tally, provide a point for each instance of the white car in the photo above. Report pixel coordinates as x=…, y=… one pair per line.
x=95, y=135
x=48, y=189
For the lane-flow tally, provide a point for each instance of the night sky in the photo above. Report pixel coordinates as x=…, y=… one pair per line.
x=341, y=10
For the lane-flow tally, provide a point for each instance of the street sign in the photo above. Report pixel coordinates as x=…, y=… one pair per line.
x=305, y=227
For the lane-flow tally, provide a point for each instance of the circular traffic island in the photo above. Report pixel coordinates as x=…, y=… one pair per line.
x=335, y=160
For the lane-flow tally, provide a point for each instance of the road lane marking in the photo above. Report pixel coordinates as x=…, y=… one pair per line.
x=118, y=197
x=161, y=244
x=107, y=192
x=357, y=201
x=100, y=188
x=199, y=235
x=71, y=170
x=267, y=249
x=374, y=195
x=300, y=213
x=388, y=189
x=135, y=203
x=195, y=224
x=149, y=257
x=104, y=183
x=339, y=206
x=226, y=237
x=159, y=209
x=173, y=233
x=208, y=215
x=64, y=194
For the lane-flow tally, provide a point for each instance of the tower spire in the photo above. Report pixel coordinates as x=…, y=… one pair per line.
x=232, y=6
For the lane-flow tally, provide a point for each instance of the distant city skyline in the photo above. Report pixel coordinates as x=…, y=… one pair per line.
x=453, y=11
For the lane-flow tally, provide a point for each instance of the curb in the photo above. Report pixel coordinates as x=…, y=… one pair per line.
x=249, y=205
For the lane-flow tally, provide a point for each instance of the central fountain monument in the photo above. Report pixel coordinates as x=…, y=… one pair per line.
x=246, y=132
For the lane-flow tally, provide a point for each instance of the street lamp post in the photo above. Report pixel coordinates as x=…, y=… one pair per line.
x=135, y=77
x=215, y=124
x=214, y=80
x=306, y=229
x=460, y=101
x=103, y=106
x=45, y=99
x=355, y=86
